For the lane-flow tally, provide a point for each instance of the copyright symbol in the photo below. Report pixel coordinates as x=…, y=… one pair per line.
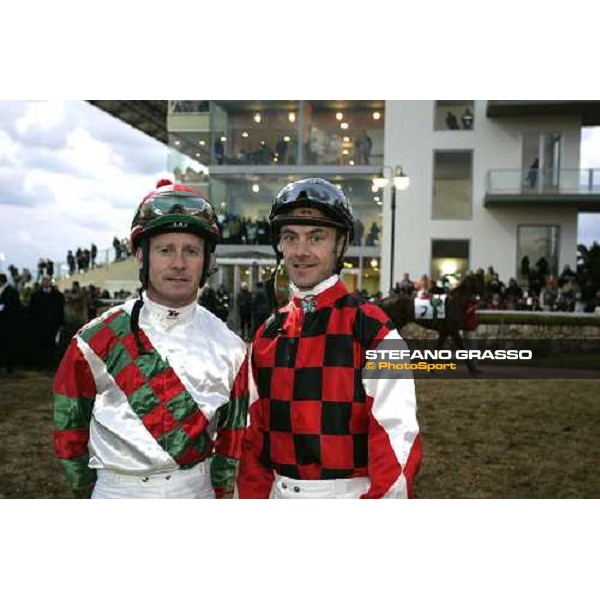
x=370, y=365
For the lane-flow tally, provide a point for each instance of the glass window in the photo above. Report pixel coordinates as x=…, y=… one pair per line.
x=452, y=185
x=454, y=115
x=343, y=133
x=243, y=204
x=449, y=257
x=254, y=132
x=537, y=249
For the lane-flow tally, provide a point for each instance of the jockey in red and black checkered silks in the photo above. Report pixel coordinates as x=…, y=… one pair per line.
x=324, y=204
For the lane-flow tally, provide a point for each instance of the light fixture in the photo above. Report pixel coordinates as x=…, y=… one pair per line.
x=338, y=186
x=256, y=188
x=286, y=138
x=374, y=188
x=339, y=116
x=275, y=159
x=374, y=262
x=245, y=134
x=198, y=154
x=257, y=117
x=448, y=266
x=292, y=117
x=377, y=115
x=345, y=152
x=346, y=139
x=401, y=181
x=202, y=143
x=376, y=198
x=223, y=138
x=177, y=142
x=380, y=181
x=344, y=125
x=351, y=163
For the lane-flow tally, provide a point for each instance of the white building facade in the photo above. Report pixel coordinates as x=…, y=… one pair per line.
x=477, y=196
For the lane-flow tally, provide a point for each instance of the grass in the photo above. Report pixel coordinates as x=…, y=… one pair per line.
x=481, y=439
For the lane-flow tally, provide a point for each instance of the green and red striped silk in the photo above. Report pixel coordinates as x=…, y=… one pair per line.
x=74, y=393
x=231, y=424
x=153, y=389
x=157, y=396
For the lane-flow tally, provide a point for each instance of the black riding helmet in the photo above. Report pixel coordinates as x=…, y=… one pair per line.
x=314, y=193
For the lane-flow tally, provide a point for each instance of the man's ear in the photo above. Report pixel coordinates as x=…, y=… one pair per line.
x=139, y=257
x=342, y=244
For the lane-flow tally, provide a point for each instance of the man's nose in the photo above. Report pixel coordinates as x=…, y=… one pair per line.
x=178, y=261
x=302, y=247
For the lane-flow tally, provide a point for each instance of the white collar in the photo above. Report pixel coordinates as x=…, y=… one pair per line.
x=165, y=314
x=318, y=289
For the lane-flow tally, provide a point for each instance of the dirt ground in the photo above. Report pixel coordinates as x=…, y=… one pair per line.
x=481, y=439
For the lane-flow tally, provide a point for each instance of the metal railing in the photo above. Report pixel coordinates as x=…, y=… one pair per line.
x=543, y=181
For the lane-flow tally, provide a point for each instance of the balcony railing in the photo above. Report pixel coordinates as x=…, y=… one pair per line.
x=527, y=182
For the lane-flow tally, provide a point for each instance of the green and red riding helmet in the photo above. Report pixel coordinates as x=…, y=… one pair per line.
x=172, y=208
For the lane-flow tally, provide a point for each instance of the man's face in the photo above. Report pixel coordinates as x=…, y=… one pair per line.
x=309, y=251
x=176, y=262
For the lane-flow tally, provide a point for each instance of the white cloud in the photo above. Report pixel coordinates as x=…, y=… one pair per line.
x=70, y=175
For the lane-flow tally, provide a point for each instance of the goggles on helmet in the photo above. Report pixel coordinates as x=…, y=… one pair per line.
x=317, y=192
x=161, y=205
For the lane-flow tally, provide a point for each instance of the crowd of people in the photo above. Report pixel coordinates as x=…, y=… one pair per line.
x=81, y=261
x=37, y=319
x=234, y=230
x=248, y=231
x=252, y=307
x=122, y=248
x=538, y=291
x=35, y=314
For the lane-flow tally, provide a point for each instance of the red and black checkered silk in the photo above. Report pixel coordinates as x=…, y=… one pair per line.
x=312, y=409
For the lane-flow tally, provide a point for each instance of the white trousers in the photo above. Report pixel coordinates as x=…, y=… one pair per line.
x=286, y=488
x=183, y=483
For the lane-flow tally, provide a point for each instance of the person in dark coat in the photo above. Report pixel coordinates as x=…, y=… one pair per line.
x=260, y=307
x=46, y=315
x=10, y=313
x=244, y=306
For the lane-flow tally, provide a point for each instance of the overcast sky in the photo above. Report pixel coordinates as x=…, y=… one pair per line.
x=71, y=175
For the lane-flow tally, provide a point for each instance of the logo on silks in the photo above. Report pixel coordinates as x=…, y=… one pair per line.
x=431, y=308
x=309, y=304
x=179, y=224
x=172, y=314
